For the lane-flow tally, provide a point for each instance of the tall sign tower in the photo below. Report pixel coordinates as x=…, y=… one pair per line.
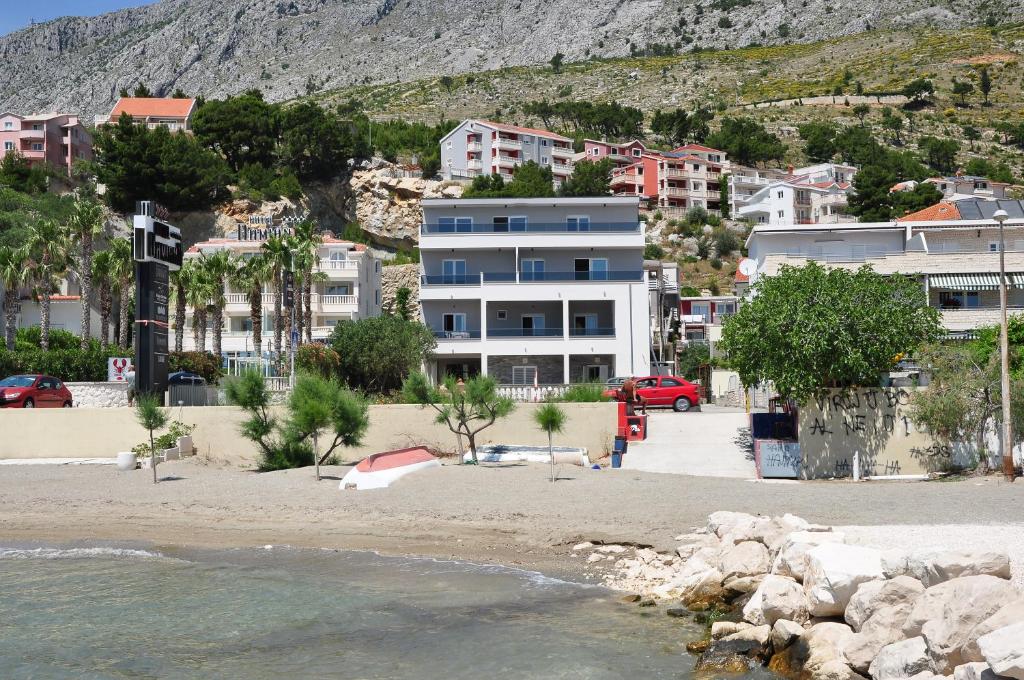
x=156, y=249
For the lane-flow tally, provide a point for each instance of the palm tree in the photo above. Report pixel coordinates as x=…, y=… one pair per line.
x=48, y=248
x=198, y=291
x=13, y=275
x=279, y=257
x=250, y=277
x=550, y=418
x=122, y=274
x=85, y=223
x=178, y=284
x=101, y=264
x=305, y=244
x=218, y=266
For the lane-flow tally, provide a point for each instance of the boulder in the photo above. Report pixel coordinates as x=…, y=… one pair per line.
x=894, y=562
x=784, y=633
x=932, y=568
x=945, y=614
x=834, y=572
x=758, y=634
x=691, y=543
x=748, y=558
x=735, y=527
x=733, y=656
x=1003, y=649
x=1008, y=614
x=820, y=646
x=753, y=610
x=704, y=588
x=884, y=627
x=901, y=660
x=741, y=586
x=721, y=629
x=783, y=598
x=976, y=670
x=792, y=556
x=835, y=670
x=875, y=595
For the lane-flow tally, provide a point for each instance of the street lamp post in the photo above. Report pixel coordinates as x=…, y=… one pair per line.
x=1001, y=216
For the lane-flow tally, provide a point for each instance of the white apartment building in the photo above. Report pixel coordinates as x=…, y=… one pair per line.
x=350, y=289
x=65, y=308
x=951, y=248
x=811, y=195
x=481, y=147
x=535, y=290
x=965, y=187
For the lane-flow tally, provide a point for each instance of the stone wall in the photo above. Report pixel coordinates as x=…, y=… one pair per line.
x=388, y=206
x=549, y=368
x=579, y=362
x=399, y=276
x=99, y=394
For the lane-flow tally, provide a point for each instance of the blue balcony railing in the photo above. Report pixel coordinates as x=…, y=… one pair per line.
x=532, y=227
x=529, y=277
x=592, y=332
x=450, y=280
x=524, y=332
x=457, y=335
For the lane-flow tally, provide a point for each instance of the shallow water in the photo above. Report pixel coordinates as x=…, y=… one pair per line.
x=261, y=614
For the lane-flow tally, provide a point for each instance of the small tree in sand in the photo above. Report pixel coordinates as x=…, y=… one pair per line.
x=318, y=406
x=466, y=409
x=550, y=418
x=149, y=415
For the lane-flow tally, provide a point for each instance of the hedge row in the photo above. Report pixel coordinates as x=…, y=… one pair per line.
x=90, y=365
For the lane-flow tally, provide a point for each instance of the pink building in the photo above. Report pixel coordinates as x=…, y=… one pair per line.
x=674, y=181
x=55, y=139
x=622, y=154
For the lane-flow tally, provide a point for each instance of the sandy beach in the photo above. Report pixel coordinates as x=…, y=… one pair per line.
x=508, y=514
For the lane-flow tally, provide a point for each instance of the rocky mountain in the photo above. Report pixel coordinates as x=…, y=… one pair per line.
x=289, y=48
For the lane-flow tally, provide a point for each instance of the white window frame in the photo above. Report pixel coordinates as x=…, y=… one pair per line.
x=531, y=275
x=533, y=324
x=450, y=145
x=587, y=317
x=527, y=375
x=458, y=323
x=8, y=125
x=543, y=160
x=637, y=153
x=8, y=146
x=455, y=274
x=702, y=309
x=595, y=151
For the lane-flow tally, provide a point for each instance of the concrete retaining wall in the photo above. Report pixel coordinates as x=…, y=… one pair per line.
x=99, y=394
x=97, y=433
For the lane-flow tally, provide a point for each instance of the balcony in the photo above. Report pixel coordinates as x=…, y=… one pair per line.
x=561, y=167
x=457, y=335
x=562, y=152
x=507, y=143
x=592, y=332
x=529, y=277
x=339, y=265
x=675, y=172
x=509, y=161
x=749, y=179
x=474, y=146
x=335, y=300
x=533, y=228
x=474, y=164
x=31, y=134
x=525, y=333
x=679, y=192
x=233, y=299
x=450, y=279
x=621, y=178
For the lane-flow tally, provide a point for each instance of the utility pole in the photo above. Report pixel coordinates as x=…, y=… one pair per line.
x=1001, y=216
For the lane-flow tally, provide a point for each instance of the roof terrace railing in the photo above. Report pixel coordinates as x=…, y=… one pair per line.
x=532, y=228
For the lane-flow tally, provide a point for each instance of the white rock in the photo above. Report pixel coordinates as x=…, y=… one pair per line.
x=1004, y=650
x=835, y=670
x=612, y=549
x=746, y=584
x=901, y=660
x=784, y=633
x=874, y=595
x=758, y=634
x=1007, y=615
x=748, y=558
x=595, y=557
x=646, y=555
x=934, y=567
x=583, y=546
x=783, y=598
x=792, y=557
x=720, y=629
x=753, y=610
x=824, y=644
x=704, y=585
x=946, y=614
x=975, y=670
x=894, y=562
x=884, y=627
x=834, y=572
x=723, y=521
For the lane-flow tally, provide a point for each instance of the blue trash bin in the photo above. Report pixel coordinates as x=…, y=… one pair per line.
x=618, y=451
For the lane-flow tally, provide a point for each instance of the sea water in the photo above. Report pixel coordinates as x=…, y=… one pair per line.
x=290, y=614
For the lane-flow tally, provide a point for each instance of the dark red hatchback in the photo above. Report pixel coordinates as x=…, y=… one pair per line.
x=34, y=391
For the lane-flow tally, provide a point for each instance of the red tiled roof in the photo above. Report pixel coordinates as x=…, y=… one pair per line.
x=939, y=211
x=696, y=147
x=525, y=130
x=142, y=107
x=740, y=276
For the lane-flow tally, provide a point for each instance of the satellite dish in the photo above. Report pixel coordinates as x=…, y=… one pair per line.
x=748, y=267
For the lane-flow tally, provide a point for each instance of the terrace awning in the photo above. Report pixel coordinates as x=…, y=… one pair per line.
x=971, y=281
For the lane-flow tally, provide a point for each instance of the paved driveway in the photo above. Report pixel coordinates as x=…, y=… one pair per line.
x=708, y=443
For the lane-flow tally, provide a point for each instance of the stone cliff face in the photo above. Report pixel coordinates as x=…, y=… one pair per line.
x=388, y=207
x=396, y=277
x=288, y=48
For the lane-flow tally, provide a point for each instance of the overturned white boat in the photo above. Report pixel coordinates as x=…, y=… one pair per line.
x=514, y=453
x=381, y=469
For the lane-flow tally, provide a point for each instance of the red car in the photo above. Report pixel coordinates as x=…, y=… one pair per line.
x=665, y=390
x=34, y=391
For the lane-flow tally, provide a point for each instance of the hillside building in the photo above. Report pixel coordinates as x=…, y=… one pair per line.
x=481, y=147
x=57, y=140
x=173, y=113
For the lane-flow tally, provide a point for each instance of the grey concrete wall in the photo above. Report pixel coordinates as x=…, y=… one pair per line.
x=100, y=433
x=552, y=312
x=434, y=311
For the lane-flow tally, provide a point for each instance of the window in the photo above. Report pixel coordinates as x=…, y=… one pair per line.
x=543, y=160
x=533, y=324
x=8, y=146
x=701, y=309
x=505, y=223
x=637, y=152
x=378, y=266
x=578, y=222
x=454, y=224
x=524, y=375
x=337, y=290
x=454, y=325
x=782, y=214
x=593, y=269
x=531, y=270
x=36, y=146
x=584, y=324
x=993, y=247
x=670, y=382
x=595, y=373
x=376, y=297
x=453, y=272
x=595, y=151
x=955, y=299
x=37, y=126
x=502, y=315
x=450, y=143
x=8, y=125
x=780, y=194
x=544, y=142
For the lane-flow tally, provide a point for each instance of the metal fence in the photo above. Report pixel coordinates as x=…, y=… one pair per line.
x=193, y=395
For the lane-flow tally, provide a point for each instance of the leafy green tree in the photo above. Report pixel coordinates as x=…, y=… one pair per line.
x=137, y=163
x=982, y=167
x=747, y=142
x=447, y=82
x=985, y=83
x=940, y=154
x=142, y=92
x=557, y=61
x=919, y=91
x=122, y=274
x=652, y=251
x=679, y=126
x=85, y=224
x=962, y=88
x=466, y=409
x=150, y=416
x=316, y=144
x=861, y=111
x=607, y=119
x=893, y=122
x=819, y=138
x=402, y=308
x=691, y=357
x=249, y=392
x=13, y=275
x=101, y=278
x=530, y=181
x=872, y=200
x=279, y=257
x=551, y=418
x=218, y=267
x=809, y=328
x=320, y=406
x=49, y=247
x=589, y=178
x=244, y=129
x=19, y=174
x=250, y=276
x=971, y=134
x=378, y=353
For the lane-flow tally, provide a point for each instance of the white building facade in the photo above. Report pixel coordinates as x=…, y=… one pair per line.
x=535, y=291
x=347, y=287
x=481, y=147
x=810, y=195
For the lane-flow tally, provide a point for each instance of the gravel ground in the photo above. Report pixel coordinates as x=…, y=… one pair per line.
x=509, y=514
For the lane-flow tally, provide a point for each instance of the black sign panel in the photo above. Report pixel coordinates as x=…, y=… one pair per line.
x=151, y=326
